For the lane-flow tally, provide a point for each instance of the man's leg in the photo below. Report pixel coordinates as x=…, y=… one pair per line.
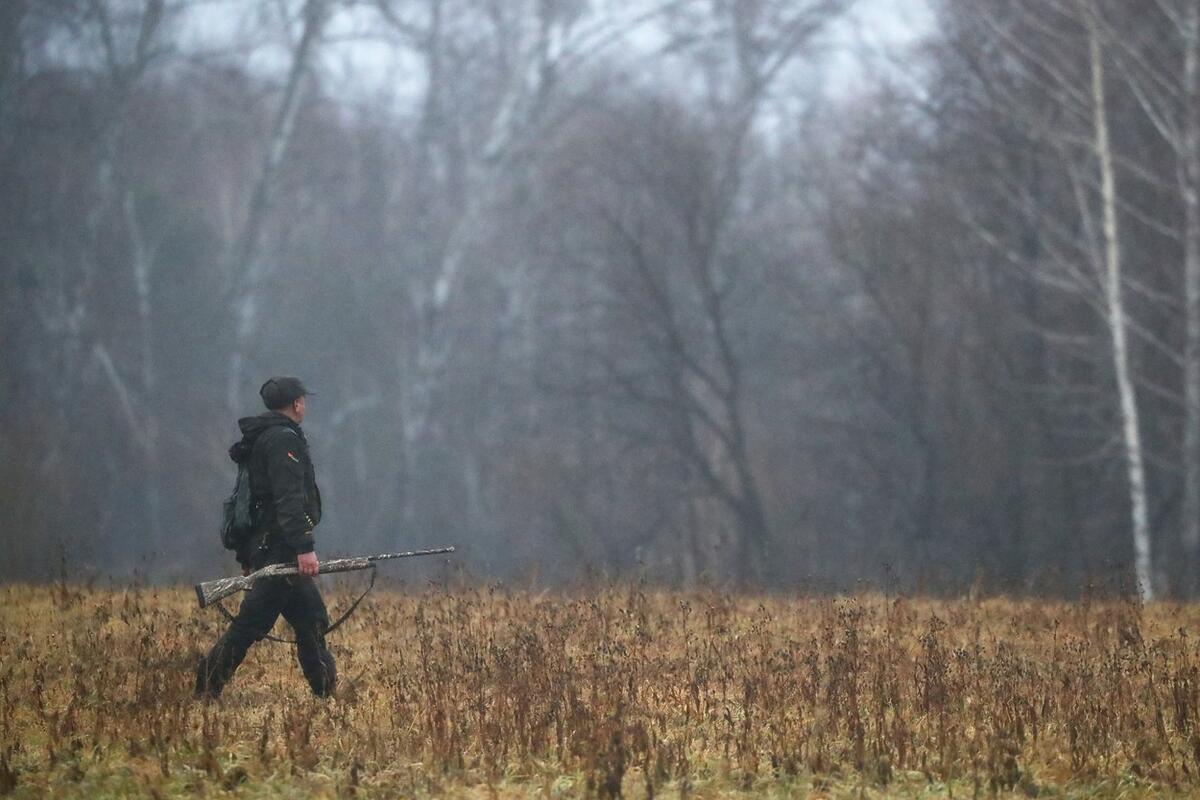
x=305, y=610
x=259, y=610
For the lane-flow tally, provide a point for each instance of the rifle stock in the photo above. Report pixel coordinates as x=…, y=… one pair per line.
x=210, y=592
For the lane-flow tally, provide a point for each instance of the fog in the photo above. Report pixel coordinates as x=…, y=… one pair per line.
x=798, y=294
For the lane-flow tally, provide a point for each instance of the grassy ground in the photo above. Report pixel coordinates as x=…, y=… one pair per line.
x=486, y=693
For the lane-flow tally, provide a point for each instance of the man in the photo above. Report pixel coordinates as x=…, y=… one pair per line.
x=286, y=506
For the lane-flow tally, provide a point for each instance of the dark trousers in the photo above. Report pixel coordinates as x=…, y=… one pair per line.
x=299, y=600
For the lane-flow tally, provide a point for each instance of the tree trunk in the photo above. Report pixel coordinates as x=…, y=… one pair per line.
x=142, y=264
x=1189, y=172
x=244, y=253
x=1130, y=425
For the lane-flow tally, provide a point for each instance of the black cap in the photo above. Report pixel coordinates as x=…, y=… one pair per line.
x=281, y=390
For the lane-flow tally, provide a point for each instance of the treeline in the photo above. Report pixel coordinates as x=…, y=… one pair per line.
x=611, y=289
x=1027, y=227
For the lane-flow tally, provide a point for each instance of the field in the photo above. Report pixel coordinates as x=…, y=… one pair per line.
x=495, y=693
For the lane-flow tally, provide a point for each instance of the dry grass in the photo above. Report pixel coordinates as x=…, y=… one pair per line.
x=492, y=693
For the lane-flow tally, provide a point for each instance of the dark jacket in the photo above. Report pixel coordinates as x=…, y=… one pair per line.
x=285, y=500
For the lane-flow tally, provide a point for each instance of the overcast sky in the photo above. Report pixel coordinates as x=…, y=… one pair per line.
x=358, y=62
x=875, y=37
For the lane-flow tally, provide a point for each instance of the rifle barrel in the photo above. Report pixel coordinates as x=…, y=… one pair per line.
x=433, y=552
x=353, y=562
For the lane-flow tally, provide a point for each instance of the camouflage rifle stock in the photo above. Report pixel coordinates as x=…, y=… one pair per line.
x=210, y=592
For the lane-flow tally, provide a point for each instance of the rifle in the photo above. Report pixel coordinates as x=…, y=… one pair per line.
x=210, y=592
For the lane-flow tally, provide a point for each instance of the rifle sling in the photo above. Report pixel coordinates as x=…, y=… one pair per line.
x=221, y=606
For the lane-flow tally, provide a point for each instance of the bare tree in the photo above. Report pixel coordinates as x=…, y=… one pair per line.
x=1113, y=294
x=478, y=130
x=685, y=372
x=669, y=264
x=130, y=43
x=1069, y=111
x=244, y=264
x=1167, y=91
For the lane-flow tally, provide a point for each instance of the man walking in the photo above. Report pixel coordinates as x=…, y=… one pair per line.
x=286, y=506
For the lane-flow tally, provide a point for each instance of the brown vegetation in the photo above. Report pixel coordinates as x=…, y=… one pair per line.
x=630, y=691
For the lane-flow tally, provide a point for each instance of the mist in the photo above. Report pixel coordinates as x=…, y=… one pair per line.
x=792, y=294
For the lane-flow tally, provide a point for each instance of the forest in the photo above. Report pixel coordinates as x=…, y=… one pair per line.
x=610, y=289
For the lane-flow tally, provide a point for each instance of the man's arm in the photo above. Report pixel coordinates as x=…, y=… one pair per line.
x=285, y=470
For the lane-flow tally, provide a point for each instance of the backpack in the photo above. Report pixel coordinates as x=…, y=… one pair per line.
x=237, y=523
x=240, y=511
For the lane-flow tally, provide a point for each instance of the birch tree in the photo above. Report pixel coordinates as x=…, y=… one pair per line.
x=1188, y=24
x=244, y=260
x=1167, y=90
x=1066, y=56
x=130, y=43
x=480, y=125
x=1116, y=313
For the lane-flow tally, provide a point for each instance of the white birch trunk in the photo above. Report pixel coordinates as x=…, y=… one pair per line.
x=432, y=294
x=1189, y=170
x=123, y=75
x=244, y=271
x=1130, y=423
x=143, y=258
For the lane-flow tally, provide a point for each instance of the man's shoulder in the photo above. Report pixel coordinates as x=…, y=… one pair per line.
x=280, y=434
x=278, y=438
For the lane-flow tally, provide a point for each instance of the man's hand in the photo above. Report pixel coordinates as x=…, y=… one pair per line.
x=307, y=564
